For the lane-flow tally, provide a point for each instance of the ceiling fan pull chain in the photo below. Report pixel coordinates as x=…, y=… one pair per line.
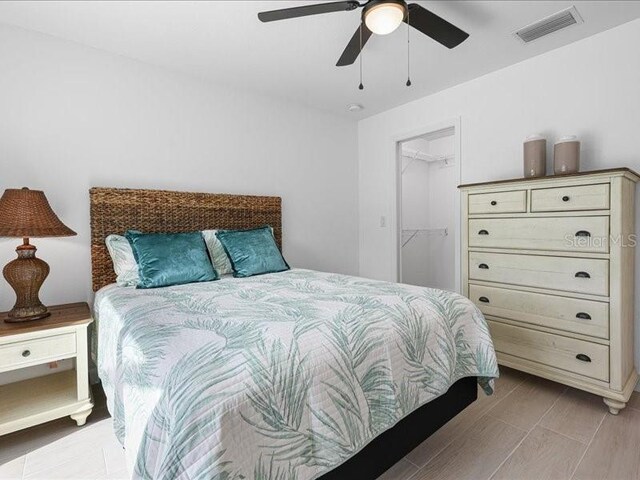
x=361, y=86
x=408, y=50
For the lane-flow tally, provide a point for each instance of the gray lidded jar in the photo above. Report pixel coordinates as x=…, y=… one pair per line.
x=535, y=156
x=566, y=155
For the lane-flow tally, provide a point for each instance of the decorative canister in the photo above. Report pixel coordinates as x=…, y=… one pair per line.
x=535, y=156
x=566, y=155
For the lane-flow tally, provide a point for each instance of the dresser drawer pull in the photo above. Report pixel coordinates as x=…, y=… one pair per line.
x=582, y=275
x=583, y=233
x=494, y=203
x=483, y=266
x=484, y=299
x=583, y=358
x=26, y=353
x=583, y=316
x=565, y=199
x=483, y=232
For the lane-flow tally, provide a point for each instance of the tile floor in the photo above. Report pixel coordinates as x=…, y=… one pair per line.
x=530, y=429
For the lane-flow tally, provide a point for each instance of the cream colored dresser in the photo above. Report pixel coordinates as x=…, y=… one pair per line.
x=550, y=263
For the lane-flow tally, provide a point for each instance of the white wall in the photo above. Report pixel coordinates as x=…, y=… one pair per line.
x=590, y=88
x=73, y=117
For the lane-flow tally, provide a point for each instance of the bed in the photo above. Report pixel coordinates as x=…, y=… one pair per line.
x=292, y=375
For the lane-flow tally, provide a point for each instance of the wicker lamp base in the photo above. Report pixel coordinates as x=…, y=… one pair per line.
x=26, y=274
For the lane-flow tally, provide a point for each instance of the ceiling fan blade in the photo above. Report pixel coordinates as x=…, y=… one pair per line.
x=352, y=50
x=435, y=27
x=305, y=10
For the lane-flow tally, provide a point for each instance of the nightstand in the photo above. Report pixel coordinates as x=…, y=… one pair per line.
x=31, y=402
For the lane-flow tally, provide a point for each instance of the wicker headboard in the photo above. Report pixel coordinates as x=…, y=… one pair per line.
x=116, y=210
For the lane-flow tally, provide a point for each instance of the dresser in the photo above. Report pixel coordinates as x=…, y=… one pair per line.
x=63, y=335
x=550, y=263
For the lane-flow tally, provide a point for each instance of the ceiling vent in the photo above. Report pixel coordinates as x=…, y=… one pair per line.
x=550, y=24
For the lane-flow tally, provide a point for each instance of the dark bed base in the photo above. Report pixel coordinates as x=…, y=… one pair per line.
x=389, y=447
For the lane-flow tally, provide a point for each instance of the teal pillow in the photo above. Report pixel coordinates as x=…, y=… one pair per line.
x=166, y=259
x=252, y=252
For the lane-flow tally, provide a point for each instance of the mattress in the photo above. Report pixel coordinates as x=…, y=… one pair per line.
x=284, y=375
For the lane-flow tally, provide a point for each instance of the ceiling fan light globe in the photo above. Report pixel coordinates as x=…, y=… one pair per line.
x=384, y=18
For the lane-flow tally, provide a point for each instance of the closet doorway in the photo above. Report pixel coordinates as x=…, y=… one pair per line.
x=428, y=209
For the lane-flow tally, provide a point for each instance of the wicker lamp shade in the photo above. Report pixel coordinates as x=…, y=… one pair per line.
x=26, y=213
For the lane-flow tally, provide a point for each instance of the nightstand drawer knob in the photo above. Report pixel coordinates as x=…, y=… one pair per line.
x=583, y=358
x=26, y=353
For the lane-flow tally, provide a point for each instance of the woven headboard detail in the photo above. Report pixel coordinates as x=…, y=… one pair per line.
x=116, y=210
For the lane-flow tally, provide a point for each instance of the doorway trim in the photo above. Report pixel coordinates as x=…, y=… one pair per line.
x=396, y=210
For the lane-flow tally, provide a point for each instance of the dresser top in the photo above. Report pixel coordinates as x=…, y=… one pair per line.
x=61, y=316
x=607, y=171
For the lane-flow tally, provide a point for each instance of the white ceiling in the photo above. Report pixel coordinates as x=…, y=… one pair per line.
x=223, y=41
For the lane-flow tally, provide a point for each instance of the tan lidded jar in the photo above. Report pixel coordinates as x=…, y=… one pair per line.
x=566, y=155
x=535, y=156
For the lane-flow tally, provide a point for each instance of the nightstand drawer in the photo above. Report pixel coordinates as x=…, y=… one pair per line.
x=39, y=350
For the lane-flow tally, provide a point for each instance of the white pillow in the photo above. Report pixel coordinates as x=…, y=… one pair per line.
x=124, y=263
x=219, y=257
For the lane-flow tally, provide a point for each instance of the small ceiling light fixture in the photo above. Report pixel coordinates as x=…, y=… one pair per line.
x=384, y=16
x=354, y=107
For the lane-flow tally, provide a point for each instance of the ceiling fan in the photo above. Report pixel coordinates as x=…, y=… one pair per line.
x=380, y=17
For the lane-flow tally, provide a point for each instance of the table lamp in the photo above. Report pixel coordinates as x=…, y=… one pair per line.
x=26, y=213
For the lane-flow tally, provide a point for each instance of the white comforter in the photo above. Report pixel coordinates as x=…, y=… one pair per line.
x=281, y=376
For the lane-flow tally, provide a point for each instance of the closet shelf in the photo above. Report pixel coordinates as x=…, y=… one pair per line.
x=410, y=234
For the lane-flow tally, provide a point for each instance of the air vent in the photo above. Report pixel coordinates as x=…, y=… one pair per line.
x=550, y=24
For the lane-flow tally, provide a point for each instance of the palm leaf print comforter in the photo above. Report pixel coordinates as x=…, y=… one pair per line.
x=281, y=376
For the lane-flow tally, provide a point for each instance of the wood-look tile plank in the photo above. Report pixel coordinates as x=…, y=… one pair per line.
x=509, y=379
x=433, y=445
x=474, y=455
x=12, y=469
x=634, y=401
x=576, y=414
x=86, y=465
x=614, y=452
x=402, y=470
x=543, y=455
x=114, y=457
x=525, y=405
x=84, y=443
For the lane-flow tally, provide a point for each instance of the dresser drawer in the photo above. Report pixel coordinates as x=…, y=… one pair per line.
x=500, y=202
x=582, y=275
x=560, y=199
x=31, y=352
x=562, y=313
x=552, y=350
x=571, y=234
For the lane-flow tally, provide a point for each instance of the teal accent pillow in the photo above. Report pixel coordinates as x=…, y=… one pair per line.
x=252, y=252
x=166, y=259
